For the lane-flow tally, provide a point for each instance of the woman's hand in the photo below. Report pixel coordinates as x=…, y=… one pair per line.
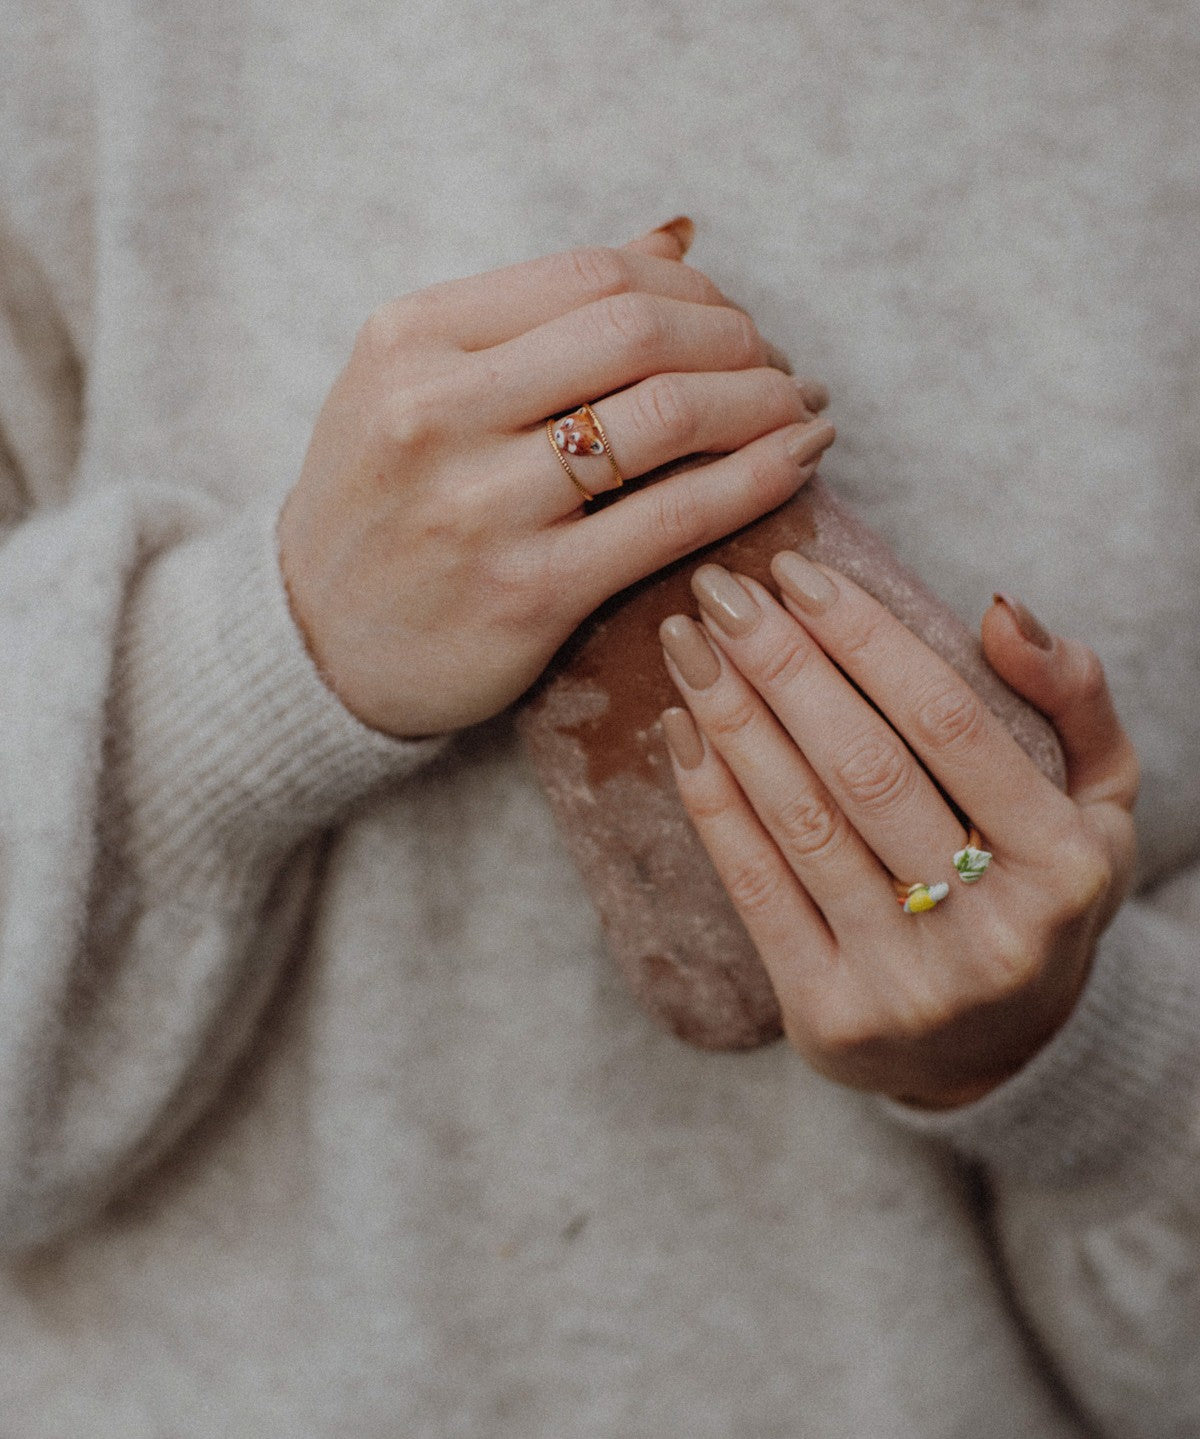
x=811, y=805
x=436, y=552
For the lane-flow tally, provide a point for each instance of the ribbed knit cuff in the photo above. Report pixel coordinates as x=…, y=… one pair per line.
x=1117, y=1085
x=228, y=748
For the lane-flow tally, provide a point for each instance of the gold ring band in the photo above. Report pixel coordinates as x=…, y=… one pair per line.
x=580, y=433
x=562, y=460
x=612, y=462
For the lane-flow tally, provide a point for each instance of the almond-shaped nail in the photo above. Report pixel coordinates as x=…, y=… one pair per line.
x=803, y=583
x=724, y=600
x=814, y=394
x=806, y=442
x=683, y=229
x=683, y=738
x=1030, y=627
x=691, y=651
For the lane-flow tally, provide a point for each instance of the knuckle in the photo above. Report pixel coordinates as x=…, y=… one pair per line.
x=422, y=313
x=1011, y=962
x=768, y=480
x=1091, y=683
x=636, y=322
x=733, y=717
x=377, y=336
x=412, y=419
x=1082, y=877
x=663, y=408
x=706, y=798
x=599, y=272
x=950, y=716
x=862, y=636
x=702, y=289
x=781, y=397
x=677, y=520
x=381, y=332
x=744, y=342
x=875, y=773
x=753, y=888
x=809, y=825
x=785, y=664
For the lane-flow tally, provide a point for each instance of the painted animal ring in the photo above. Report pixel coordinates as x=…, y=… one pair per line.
x=581, y=433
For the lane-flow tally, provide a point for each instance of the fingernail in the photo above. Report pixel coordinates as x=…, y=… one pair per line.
x=683, y=738
x=802, y=582
x=724, y=600
x=689, y=648
x=806, y=442
x=814, y=394
x=684, y=231
x=1027, y=622
x=779, y=361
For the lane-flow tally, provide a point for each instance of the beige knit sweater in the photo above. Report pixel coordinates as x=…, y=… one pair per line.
x=322, y=1111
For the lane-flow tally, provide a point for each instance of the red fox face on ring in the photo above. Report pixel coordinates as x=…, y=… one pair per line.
x=577, y=434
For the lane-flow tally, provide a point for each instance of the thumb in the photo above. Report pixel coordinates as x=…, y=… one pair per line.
x=1065, y=680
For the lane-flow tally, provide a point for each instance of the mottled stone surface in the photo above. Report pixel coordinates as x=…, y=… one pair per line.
x=592, y=730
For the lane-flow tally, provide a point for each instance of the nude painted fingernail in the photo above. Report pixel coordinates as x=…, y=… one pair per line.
x=802, y=582
x=814, y=394
x=684, y=230
x=689, y=648
x=1031, y=628
x=806, y=442
x=724, y=600
x=683, y=738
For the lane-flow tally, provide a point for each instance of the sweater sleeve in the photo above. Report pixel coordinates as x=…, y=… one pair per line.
x=1092, y=1159
x=168, y=755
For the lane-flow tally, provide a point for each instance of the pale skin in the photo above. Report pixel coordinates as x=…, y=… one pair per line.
x=436, y=556
x=435, y=552
x=810, y=803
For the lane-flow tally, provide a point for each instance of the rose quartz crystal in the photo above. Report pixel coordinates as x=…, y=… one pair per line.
x=592, y=730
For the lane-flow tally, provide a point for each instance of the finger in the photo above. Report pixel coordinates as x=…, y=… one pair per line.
x=815, y=392
x=671, y=241
x=644, y=531
x=837, y=870
x=1066, y=681
x=861, y=760
x=480, y=311
x=779, y=916
x=607, y=345
x=966, y=748
x=661, y=420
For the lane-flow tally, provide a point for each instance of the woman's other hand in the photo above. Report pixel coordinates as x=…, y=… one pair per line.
x=436, y=551
x=817, y=815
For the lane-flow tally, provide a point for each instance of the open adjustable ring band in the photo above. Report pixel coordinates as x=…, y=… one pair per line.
x=581, y=433
x=562, y=460
x=969, y=864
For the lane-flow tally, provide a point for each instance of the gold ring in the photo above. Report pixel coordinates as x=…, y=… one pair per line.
x=581, y=433
x=562, y=460
x=969, y=864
